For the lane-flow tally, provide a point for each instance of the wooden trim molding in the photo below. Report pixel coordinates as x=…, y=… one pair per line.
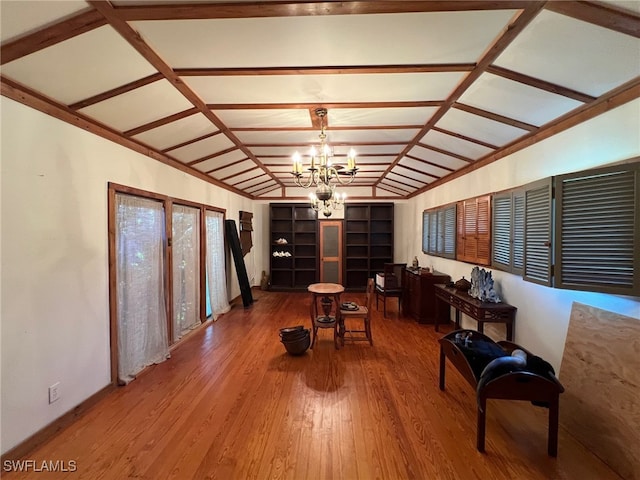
x=45, y=434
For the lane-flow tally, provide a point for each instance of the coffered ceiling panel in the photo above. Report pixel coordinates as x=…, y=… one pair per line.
x=68, y=71
x=175, y=133
x=230, y=90
x=453, y=144
x=516, y=100
x=219, y=161
x=435, y=37
x=329, y=88
x=202, y=148
x=480, y=128
x=130, y=110
x=583, y=54
x=20, y=18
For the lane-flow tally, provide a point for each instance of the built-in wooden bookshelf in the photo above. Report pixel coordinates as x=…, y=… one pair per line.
x=298, y=225
x=368, y=241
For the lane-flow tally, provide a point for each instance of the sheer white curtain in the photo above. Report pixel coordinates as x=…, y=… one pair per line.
x=216, y=275
x=142, y=318
x=186, y=269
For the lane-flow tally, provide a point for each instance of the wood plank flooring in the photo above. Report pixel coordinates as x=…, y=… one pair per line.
x=231, y=404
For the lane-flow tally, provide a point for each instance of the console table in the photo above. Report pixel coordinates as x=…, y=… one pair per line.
x=481, y=312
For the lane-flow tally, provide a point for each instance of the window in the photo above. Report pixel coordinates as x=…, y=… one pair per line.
x=597, y=243
x=538, y=229
x=439, y=231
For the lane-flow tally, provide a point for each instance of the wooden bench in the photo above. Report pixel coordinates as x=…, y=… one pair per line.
x=539, y=388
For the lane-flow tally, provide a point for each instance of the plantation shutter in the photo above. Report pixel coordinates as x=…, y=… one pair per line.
x=517, y=265
x=508, y=232
x=440, y=232
x=433, y=233
x=483, y=231
x=597, y=245
x=460, y=231
x=537, y=233
x=474, y=230
x=449, y=232
x=502, y=223
x=425, y=231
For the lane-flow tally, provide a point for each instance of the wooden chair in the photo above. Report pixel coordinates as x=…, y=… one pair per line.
x=363, y=312
x=389, y=284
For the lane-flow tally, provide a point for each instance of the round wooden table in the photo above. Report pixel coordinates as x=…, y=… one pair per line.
x=329, y=294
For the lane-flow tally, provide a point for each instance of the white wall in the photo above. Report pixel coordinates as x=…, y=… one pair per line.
x=54, y=301
x=543, y=313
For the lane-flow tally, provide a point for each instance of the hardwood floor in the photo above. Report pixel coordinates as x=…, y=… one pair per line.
x=231, y=404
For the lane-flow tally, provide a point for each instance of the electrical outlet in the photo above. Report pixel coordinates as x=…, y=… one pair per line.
x=54, y=392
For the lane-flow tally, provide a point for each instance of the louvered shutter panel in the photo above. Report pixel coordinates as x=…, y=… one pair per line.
x=425, y=232
x=433, y=233
x=597, y=247
x=537, y=235
x=517, y=248
x=460, y=233
x=470, y=234
x=502, y=225
x=440, y=240
x=449, y=232
x=483, y=231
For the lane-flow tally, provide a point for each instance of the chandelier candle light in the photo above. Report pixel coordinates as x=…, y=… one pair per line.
x=323, y=174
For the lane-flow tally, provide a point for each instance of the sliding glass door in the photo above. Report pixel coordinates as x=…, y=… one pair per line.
x=185, y=252
x=141, y=309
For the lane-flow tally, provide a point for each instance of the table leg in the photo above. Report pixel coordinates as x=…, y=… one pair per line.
x=339, y=331
x=482, y=413
x=457, y=319
x=552, y=441
x=510, y=331
x=442, y=368
x=313, y=313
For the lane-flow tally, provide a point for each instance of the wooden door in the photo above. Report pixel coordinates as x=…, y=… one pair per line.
x=331, y=251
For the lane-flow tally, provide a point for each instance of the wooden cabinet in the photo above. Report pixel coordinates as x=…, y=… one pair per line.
x=368, y=241
x=294, y=264
x=418, y=297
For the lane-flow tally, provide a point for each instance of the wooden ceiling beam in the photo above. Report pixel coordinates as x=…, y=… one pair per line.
x=495, y=117
x=329, y=129
x=540, y=84
x=445, y=152
x=420, y=172
x=328, y=106
x=212, y=155
x=407, y=177
x=268, y=189
x=427, y=162
x=160, y=122
x=116, y=91
x=302, y=9
x=259, y=175
x=464, y=137
x=192, y=141
x=326, y=70
x=410, y=189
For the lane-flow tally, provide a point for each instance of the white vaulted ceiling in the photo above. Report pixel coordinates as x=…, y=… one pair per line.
x=423, y=91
